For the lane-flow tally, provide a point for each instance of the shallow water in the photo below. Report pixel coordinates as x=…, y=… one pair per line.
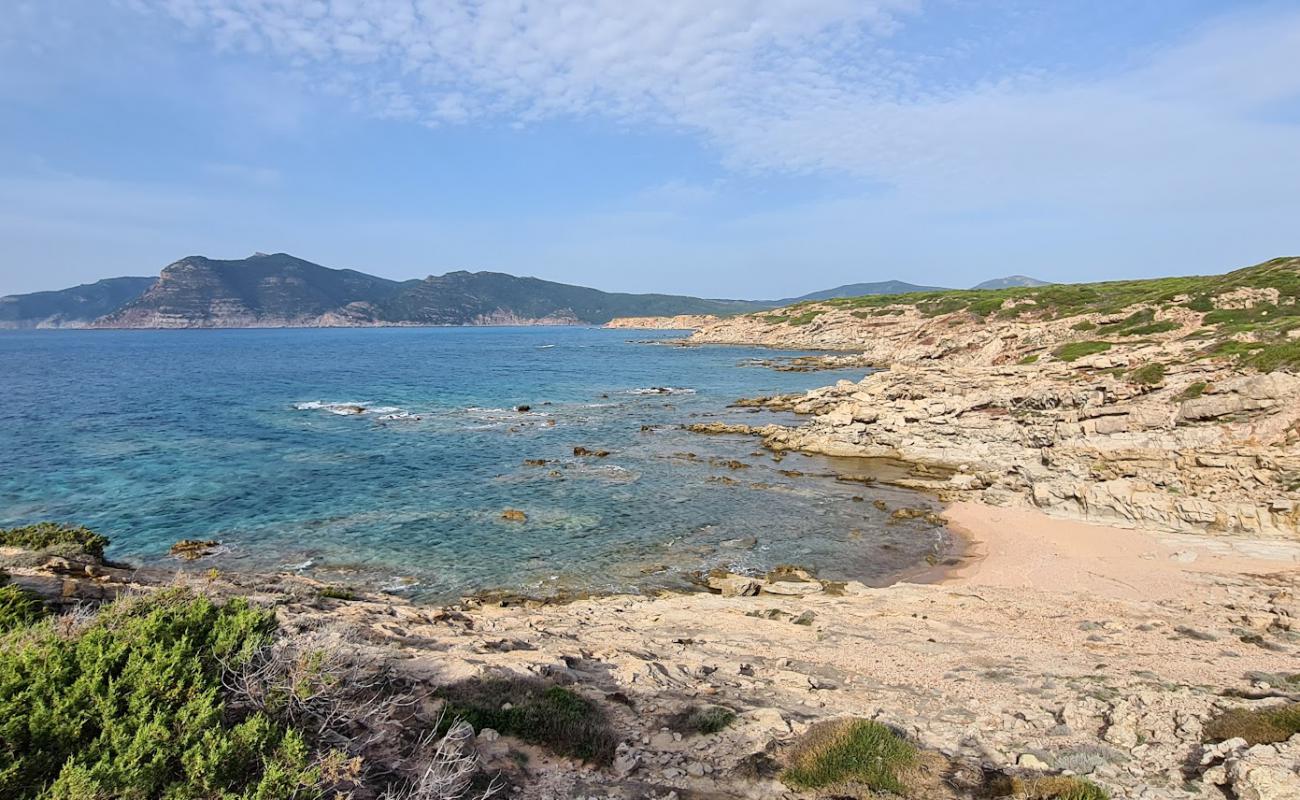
x=255, y=438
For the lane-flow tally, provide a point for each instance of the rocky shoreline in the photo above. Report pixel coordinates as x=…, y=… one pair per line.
x=1056, y=648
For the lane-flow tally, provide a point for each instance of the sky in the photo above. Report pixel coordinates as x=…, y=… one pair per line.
x=724, y=148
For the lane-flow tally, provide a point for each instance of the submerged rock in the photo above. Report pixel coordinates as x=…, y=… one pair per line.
x=194, y=549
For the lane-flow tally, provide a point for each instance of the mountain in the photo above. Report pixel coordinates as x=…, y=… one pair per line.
x=1011, y=281
x=860, y=290
x=70, y=308
x=494, y=298
x=259, y=291
x=281, y=290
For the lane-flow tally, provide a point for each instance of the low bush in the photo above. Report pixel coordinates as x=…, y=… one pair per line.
x=709, y=719
x=1077, y=350
x=338, y=592
x=1284, y=356
x=1084, y=325
x=18, y=607
x=1193, y=391
x=552, y=716
x=1163, y=326
x=1148, y=375
x=1256, y=726
x=131, y=707
x=854, y=751
x=48, y=534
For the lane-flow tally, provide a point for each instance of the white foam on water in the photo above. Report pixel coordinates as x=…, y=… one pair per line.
x=661, y=390
x=399, y=583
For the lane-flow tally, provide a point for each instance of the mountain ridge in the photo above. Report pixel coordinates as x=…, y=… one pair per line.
x=282, y=290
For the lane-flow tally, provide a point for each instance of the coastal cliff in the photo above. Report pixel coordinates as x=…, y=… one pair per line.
x=1168, y=404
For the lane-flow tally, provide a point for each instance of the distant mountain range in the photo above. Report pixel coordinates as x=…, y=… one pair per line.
x=281, y=290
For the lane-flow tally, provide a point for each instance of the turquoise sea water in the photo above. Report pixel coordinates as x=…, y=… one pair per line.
x=245, y=436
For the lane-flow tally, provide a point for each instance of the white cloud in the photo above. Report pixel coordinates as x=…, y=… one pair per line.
x=797, y=86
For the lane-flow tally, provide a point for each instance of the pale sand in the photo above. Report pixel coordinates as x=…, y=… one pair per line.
x=1024, y=548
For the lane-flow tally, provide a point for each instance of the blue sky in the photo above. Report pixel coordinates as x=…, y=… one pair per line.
x=757, y=148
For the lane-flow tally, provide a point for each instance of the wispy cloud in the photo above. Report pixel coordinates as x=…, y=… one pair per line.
x=818, y=85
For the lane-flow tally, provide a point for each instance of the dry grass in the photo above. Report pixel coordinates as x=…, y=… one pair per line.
x=1057, y=787
x=1256, y=726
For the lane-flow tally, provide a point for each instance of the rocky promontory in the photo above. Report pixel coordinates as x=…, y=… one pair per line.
x=1170, y=404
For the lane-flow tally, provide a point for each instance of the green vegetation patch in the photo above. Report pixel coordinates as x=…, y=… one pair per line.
x=131, y=707
x=855, y=751
x=48, y=534
x=1058, y=787
x=1285, y=356
x=706, y=720
x=18, y=607
x=552, y=716
x=1256, y=726
x=1148, y=375
x=1085, y=325
x=1193, y=391
x=338, y=592
x=1074, y=351
x=1163, y=326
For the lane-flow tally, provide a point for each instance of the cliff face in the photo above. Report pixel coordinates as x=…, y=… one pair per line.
x=267, y=291
x=1171, y=404
x=70, y=308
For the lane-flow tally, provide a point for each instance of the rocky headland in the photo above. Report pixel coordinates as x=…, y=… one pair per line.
x=1170, y=404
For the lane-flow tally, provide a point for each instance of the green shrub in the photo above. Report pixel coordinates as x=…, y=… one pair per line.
x=1148, y=374
x=338, y=592
x=1276, y=357
x=47, y=534
x=19, y=608
x=709, y=719
x=1032, y=358
x=1193, y=391
x=1084, y=325
x=132, y=708
x=858, y=751
x=1256, y=726
x=1163, y=326
x=1077, y=350
x=537, y=712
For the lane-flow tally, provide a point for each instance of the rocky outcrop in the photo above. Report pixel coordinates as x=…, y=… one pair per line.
x=681, y=322
x=1141, y=425
x=1077, y=441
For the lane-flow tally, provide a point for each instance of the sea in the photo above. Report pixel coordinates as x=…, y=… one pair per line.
x=385, y=459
